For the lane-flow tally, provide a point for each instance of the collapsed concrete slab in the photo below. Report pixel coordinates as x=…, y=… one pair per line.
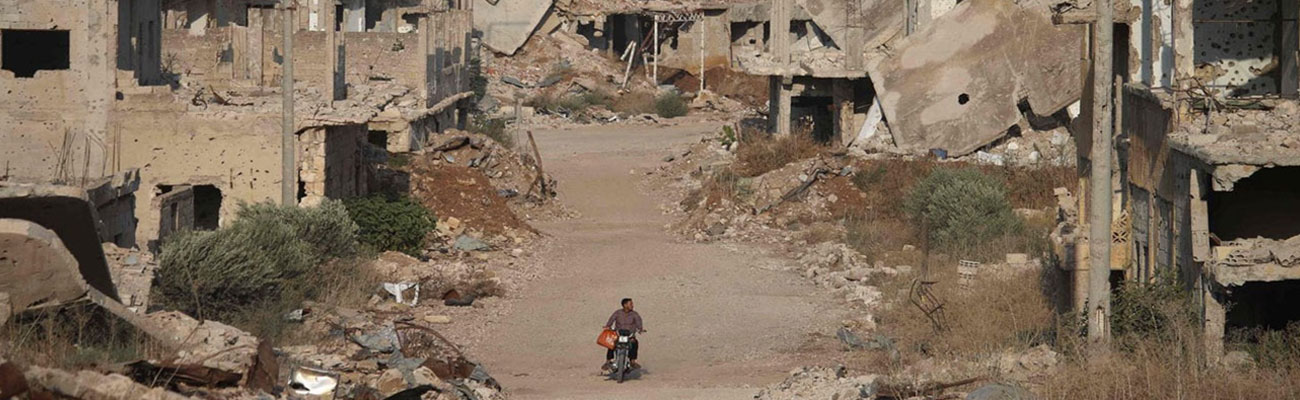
x=35, y=268
x=69, y=213
x=506, y=25
x=956, y=84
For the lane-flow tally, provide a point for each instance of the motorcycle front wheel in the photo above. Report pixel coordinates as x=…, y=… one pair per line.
x=620, y=365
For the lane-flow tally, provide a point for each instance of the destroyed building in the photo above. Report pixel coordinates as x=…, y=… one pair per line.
x=187, y=92
x=670, y=42
x=1208, y=157
x=941, y=75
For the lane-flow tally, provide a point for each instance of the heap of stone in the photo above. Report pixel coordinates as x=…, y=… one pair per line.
x=821, y=383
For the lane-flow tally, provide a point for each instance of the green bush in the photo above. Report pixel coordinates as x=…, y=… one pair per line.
x=261, y=265
x=670, y=105
x=217, y=274
x=961, y=209
x=392, y=223
x=327, y=228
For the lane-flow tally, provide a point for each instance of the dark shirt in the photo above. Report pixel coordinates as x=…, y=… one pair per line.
x=629, y=320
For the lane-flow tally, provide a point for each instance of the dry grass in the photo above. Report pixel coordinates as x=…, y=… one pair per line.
x=765, y=153
x=76, y=336
x=634, y=103
x=1001, y=311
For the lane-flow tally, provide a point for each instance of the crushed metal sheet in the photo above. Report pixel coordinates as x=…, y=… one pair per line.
x=312, y=381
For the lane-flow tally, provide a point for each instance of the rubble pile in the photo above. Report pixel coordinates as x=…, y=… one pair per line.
x=821, y=383
x=835, y=266
x=789, y=198
x=927, y=379
x=479, y=188
x=435, y=279
x=1032, y=148
x=366, y=353
x=132, y=271
x=557, y=62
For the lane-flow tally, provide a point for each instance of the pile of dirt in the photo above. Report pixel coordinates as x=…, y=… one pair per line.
x=471, y=181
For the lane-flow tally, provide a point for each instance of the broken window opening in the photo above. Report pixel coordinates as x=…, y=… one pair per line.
x=207, y=207
x=1261, y=205
x=812, y=114
x=26, y=51
x=596, y=38
x=378, y=139
x=1262, y=306
x=412, y=22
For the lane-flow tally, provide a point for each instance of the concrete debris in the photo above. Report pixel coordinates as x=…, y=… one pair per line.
x=1035, y=362
x=1249, y=252
x=36, y=269
x=956, y=84
x=389, y=357
x=133, y=271
x=209, y=344
x=437, y=276
x=821, y=383
x=852, y=341
x=476, y=184
x=90, y=385
x=506, y=25
x=470, y=243
x=52, y=213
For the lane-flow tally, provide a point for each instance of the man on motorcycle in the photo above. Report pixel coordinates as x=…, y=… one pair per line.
x=624, y=319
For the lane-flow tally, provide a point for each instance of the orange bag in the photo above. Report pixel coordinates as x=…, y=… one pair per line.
x=607, y=339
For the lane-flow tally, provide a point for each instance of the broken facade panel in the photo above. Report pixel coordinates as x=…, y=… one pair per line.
x=957, y=84
x=506, y=25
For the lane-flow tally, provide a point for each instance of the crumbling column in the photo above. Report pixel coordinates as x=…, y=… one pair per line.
x=1184, y=52
x=780, y=92
x=779, y=23
x=842, y=96
x=1215, y=315
x=331, y=51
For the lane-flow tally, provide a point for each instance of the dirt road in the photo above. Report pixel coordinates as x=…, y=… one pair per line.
x=719, y=326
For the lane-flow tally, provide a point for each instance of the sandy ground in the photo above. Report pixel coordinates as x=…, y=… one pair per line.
x=721, y=324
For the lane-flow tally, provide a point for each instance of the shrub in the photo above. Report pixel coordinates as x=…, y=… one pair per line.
x=392, y=223
x=670, y=105
x=328, y=228
x=961, y=209
x=261, y=258
x=216, y=274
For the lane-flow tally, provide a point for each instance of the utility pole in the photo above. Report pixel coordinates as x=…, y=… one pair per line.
x=1099, y=208
x=289, y=171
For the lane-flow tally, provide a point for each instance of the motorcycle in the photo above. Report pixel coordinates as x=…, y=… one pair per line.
x=621, y=364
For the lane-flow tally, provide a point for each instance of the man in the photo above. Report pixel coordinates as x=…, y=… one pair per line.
x=624, y=319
